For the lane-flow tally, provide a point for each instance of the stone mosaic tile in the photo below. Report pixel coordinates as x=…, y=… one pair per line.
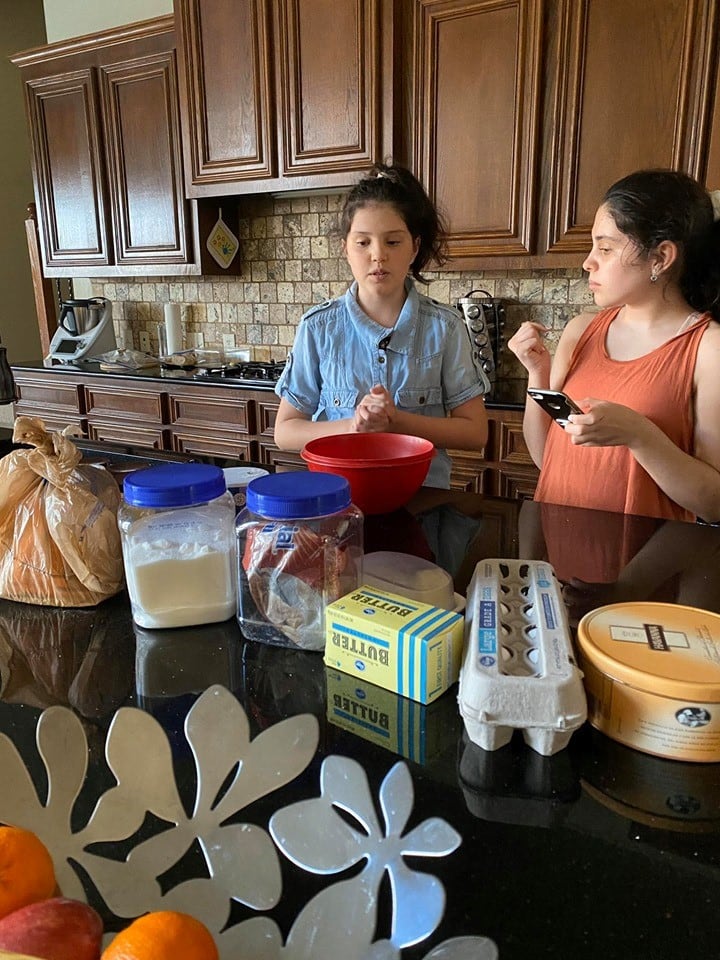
x=292, y=259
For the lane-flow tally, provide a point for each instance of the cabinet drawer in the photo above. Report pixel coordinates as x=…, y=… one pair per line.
x=38, y=395
x=470, y=473
x=281, y=460
x=511, y=444
x=266, y=413
x=203, y=444
x=203, y=409
x=518, y=483
x=109, y=402
x=140, y=436
x=51, y=419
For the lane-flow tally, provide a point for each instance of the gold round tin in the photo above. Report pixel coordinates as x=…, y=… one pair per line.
x=652, y=677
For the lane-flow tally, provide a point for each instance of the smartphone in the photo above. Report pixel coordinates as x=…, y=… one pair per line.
x=556, y=403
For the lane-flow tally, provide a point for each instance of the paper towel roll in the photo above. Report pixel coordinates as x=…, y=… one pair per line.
x=173, y=328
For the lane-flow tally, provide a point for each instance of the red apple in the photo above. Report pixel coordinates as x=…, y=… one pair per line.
x=56, y=929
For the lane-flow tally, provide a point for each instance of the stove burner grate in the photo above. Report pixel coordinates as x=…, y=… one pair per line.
x=252, y=372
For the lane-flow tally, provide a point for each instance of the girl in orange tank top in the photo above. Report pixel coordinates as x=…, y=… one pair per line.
x=644, y=369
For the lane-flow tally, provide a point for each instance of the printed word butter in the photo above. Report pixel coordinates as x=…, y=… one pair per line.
x=402, y=645
x=415, y=730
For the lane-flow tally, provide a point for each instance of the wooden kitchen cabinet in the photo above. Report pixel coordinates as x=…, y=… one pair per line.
x=504, y=468
x=630, y=92
x=267, y=406
x=107, y=158
x=232, y=422
x=525, y=111
x=56, y=400
x=712, y=176
x=711, y=172
x=162, y=414
x=213, y=421
x=124, y=413
x=477, y=111
x=284, y=94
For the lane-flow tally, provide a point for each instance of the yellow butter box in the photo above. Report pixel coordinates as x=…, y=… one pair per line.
x=414, y=730
x=402, y=645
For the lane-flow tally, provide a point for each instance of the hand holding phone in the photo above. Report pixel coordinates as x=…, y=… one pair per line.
x=556, y=403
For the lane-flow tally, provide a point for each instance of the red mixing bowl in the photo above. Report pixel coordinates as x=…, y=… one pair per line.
x=384, y=469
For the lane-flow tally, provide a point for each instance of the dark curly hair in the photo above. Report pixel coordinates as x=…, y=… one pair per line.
x=651, y=206
x=394, y=185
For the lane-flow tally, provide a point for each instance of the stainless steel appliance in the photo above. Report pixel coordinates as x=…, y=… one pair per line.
x=251, y=373
x=484, y=317
x=85, y=328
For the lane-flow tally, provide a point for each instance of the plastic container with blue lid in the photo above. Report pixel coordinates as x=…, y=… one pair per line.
x=174, y=485
x=177, y=527
x=300, y=547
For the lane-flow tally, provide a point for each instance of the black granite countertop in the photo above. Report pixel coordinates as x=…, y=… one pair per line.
x=92, y=368
x=599, y=851
x=507, y=393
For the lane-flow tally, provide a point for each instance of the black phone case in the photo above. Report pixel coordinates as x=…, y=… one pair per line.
x=556, y=403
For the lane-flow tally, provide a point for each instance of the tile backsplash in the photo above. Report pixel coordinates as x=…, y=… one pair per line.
x=291, y=259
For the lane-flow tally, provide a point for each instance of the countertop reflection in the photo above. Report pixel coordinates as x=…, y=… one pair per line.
x=557, y=852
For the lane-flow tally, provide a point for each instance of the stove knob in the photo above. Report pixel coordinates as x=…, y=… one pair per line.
x=472, y=313
x=481, y=340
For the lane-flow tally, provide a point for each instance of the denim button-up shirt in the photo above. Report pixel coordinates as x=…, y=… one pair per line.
x=425, y=362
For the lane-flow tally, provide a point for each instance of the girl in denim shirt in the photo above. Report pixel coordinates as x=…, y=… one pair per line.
x=384, y=357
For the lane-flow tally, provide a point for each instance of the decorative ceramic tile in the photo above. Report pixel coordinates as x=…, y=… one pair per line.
x=292, y=242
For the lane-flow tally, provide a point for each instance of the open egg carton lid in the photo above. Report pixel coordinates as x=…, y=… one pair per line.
x=518, y=670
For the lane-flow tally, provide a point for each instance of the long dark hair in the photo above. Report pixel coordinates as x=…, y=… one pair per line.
x=651, y=206
x=396, y=186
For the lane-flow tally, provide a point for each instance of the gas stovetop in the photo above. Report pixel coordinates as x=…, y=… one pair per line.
x=252, y=373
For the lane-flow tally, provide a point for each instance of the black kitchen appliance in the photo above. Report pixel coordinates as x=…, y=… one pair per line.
x=484, y=317
x=251, y=373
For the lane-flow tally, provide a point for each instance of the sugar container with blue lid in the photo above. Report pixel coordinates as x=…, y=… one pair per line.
x=300, y=547
x=177, y=527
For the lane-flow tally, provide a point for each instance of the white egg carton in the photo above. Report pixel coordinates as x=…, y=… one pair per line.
x=518, y=669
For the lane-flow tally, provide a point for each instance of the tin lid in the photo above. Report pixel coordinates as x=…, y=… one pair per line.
x=241, y=476
x=662, y=648
x=174, y=485
x=298, y=494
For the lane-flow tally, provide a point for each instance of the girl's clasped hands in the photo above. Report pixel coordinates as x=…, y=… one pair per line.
x=375, y=412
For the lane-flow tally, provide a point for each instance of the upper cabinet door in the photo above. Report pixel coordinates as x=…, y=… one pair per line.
x=227, y=105
x=330, y=78
x=712, y=169
x=68, y=165
x=709, y=159
x=631, y=79
x=477, y=97
x=284, y=94
x=144, y=157
x=104, y=121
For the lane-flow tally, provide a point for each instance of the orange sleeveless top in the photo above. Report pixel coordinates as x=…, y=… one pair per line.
x=659, y=386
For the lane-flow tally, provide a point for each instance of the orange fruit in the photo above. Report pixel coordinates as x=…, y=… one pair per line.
x=27, y=873
x=163, y=935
